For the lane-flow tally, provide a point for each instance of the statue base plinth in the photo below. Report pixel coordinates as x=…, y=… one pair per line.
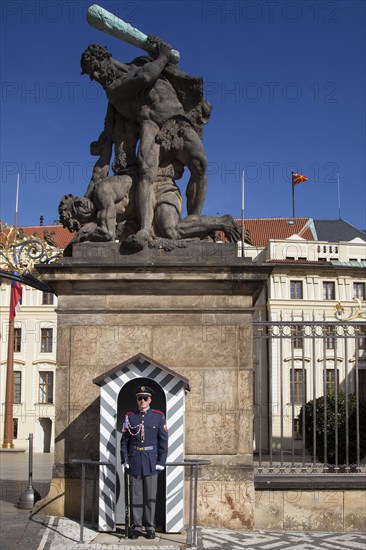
x=189, y=309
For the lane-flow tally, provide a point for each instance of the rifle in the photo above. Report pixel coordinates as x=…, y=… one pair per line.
x=127, y=502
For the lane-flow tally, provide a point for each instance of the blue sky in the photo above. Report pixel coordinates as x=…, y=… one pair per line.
x=286, y=80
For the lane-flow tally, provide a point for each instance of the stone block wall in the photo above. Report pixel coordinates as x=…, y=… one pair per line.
x=307, y=510
x=192, y=314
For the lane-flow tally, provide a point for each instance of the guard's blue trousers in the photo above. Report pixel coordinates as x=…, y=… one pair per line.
x=143, y=501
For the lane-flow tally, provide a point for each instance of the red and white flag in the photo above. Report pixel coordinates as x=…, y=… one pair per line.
x=15, y=297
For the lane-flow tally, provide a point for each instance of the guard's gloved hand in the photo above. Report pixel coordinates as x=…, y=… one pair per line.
x=125, y=466
x=160, y=468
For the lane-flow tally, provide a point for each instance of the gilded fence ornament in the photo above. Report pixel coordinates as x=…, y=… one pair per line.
x=357, y=312
x=20, y=254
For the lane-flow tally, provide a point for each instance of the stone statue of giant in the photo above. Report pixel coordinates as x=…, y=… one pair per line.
x=152, y=131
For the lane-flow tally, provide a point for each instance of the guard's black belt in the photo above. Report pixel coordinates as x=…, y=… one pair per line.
x=143, y=448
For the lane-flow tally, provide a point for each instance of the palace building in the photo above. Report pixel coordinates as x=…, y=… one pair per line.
x=318, y=273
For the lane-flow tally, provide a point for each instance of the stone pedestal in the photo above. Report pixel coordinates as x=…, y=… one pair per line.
x=189, y=309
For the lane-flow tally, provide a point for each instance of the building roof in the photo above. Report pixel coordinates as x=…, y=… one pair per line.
x=55, y=235
x=336, y=230
x=261, y=230
x=351, y=263
x=292, y=261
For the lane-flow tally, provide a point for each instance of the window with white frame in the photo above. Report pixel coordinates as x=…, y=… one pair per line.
x=297, y=337
x=296, y=292
x=297, y=386
x=328, y=290
x=330, y=381
x=47, y=298
x=329, y=332
x=17, y=339
x=17, y=387
x=46, y=340
x=359, y=290
x=361, y=333
x=45, y=387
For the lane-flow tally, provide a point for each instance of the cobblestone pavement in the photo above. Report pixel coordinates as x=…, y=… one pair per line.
x=64, y=534
x=54, y=533
x=277, y=540
x=20, y=532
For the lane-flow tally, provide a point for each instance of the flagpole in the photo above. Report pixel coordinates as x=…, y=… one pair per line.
x=9, y=386
x=9, y=390
x=293, y=194
x=16, y=205
x=242, y=215
x=339, y=198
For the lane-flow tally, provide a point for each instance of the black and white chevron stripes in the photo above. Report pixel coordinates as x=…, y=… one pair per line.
x=110, y=386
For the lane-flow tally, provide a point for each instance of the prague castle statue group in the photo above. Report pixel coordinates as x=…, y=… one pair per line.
x=152, y=130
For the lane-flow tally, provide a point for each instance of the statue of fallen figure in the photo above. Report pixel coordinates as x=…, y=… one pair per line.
x=109, y=213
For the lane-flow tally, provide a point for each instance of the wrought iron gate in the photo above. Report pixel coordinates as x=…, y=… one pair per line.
x=309, y=397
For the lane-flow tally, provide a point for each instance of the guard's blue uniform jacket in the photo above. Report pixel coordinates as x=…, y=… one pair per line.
x=144, y=442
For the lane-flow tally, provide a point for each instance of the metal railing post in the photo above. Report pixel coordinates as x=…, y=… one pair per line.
x=193, y=496
x=82, y=502
x=190, y=531
x=30, y=496
x=195, y=504
x=94, y=493
x=95, y=464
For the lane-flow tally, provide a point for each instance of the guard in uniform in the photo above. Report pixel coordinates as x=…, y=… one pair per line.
x=144, y=449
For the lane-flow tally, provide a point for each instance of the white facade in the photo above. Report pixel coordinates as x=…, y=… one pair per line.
x=303, y=289
x=297, y=264
x=34, y=366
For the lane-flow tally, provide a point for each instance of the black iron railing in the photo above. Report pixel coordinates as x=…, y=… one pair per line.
x=193, y=466
x=309, y=397
x=96, y=465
